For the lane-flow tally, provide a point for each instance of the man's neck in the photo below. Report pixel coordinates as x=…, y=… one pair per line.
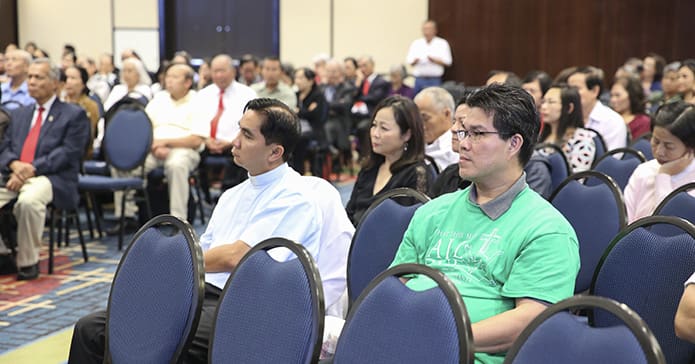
x=588, y=111
x=273, y=86
x=494, y=187
x=17, y=81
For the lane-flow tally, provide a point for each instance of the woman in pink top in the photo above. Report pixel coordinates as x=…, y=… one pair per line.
x=673, y=143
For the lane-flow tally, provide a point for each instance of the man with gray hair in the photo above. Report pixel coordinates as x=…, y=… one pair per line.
x=15, y=92
x=339, y=95
x=436, y=107
x=40, y=158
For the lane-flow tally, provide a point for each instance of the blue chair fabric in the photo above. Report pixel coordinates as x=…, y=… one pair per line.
x=378, y=237
x=619, y=169
x=646, y=271
x=600, y=144
x=677, y=203
x=270, y=311
x=559, y=167
x=157, y=294
x=597, y=214
x=644, y=145
x=127, y=142
x=391, y=323
x=556, y=336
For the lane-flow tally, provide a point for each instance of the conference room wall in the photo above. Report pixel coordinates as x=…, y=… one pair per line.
x=383, y=29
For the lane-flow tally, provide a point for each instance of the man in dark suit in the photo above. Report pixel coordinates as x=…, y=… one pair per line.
x=39, y=160
x=340, y=96
x=372, y=90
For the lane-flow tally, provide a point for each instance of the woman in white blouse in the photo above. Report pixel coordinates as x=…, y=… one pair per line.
x=135, y=82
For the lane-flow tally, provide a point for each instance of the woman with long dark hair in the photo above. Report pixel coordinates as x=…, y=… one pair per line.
x=395, y=156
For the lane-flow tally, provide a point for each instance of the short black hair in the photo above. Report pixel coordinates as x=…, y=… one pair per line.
x=679, y=119
x=513, y=111
x=594, y=77
x=542, y=77
x=280, y=124
x=248, y=58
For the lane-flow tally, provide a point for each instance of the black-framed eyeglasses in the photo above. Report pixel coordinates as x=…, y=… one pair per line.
x=474, y=135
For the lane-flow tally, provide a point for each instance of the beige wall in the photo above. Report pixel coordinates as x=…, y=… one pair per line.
x=87, y=24
x=51, y=24
x=383, y=28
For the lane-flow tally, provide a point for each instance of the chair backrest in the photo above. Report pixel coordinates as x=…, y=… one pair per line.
x=597, y=214
x=391, y=323
x=378, y=237
x=601, y=147
x=646, y=271
x=128, y=138
x=157, y=294
x=644, y=145
x=559, y=167
x=557, y=336
x=270, y=311
x=619, y=169
x=678, y=203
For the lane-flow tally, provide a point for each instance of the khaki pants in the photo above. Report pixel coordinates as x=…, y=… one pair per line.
x=177, y=167
x=30, y=212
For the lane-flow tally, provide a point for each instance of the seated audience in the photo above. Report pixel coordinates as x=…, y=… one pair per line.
x=15, y=92
x=135, y=83
x=311, y=109
x=272, y=86
x=40, y=158
x=352, y=71
x=75, y=91
x=684, y=322
x=686, y=80
x=395, y=156
x=503, y=78
x=508, y=267
x=248, y=70
x=397, y=74
x=339, y=95
x=275, y=202
x=651, y=76
x=562, y=112
x=220, y=106
x=177, y=139
x=589, y=81
x=436, y=106
x=673, y=143
x=537, y=169
x=627, y=99
x=204, y=75
x=372, y=89
x=669, y=85
x=105, y=78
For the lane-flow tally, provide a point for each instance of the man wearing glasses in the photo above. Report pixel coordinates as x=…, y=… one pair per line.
x=507, y=250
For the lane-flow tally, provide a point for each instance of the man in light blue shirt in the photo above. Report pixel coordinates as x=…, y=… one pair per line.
x=15, y=92
x=275, y=201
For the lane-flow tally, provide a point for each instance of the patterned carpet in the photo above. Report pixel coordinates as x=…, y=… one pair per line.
x=30, y=310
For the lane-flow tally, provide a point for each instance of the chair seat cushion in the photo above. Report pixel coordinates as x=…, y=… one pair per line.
x=96, y=167
x=91, y=182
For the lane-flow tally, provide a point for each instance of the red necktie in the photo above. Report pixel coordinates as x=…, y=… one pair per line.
x=29, y=148
x=216, y=119
x=365, y=86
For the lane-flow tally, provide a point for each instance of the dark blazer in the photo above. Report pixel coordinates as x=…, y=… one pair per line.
x=342, y=99
x=378, y=90
x=62, y=142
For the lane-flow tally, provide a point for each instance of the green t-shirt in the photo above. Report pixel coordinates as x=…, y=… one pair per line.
x=530, y=251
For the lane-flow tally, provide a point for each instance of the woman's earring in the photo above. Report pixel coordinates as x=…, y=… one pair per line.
x=405, y=146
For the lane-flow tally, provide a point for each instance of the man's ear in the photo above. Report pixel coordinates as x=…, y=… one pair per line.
x=515, y=143
x=276, y=152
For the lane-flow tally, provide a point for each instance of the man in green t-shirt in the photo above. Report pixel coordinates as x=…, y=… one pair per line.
x=507, y=250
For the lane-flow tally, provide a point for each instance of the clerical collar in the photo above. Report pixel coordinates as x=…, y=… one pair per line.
x=269, y=177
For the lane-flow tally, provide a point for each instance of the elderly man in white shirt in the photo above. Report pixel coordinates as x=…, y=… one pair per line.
x=436, y=107
x=428, y=56
x=177, y=139
x=608, y=123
